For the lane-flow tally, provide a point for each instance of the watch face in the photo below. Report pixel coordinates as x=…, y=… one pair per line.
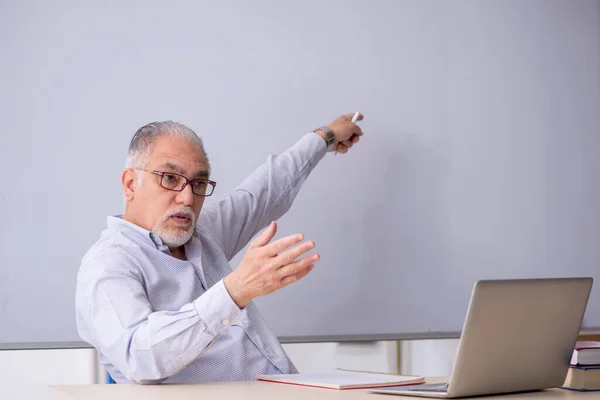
x=330, y=138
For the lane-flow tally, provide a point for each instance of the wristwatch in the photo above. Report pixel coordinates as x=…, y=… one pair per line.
x=330, y=137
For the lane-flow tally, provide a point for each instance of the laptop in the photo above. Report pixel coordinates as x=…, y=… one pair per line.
x=518, y=336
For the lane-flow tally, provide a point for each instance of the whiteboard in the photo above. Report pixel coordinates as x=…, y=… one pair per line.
x=479, y=160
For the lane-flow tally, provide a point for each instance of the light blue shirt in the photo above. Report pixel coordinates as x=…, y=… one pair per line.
x=154, y=318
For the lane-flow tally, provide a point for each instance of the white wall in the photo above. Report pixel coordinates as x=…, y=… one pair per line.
x=428, y=357
x=321, y=357
x=25, y=374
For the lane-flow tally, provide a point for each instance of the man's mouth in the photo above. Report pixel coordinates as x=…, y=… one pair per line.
x=181, y=218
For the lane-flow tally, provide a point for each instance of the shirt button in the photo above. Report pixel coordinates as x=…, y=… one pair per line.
x=270, y=354
x=246, y=321
x=225, y=322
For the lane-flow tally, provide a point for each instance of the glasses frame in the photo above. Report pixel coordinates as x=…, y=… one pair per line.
x=162, y=174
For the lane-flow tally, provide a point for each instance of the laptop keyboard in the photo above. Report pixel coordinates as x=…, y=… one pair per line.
x=429, y=387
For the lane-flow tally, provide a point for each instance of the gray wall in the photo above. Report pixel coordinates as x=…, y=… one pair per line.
x=479, y=159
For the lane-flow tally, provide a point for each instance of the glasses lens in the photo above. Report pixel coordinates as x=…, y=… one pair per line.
x=171, y=181
x=201, y=187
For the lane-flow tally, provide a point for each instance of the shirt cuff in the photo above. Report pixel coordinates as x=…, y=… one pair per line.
x=216, y=308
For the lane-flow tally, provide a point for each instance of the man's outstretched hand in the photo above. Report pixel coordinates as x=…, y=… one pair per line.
x=346, y=133
x=267, y=267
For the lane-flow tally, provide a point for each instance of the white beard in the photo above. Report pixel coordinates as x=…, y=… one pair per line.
x=175, y=237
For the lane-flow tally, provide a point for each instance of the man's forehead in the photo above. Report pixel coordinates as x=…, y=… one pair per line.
x=200, y=171
x=179, y=156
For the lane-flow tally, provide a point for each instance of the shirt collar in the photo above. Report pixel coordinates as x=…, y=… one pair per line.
x=116, y=222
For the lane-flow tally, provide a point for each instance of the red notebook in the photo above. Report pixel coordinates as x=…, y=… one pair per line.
x=586, y=353
x=344, y=379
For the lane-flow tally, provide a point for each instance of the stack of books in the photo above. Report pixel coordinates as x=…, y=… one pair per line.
x=584, y=372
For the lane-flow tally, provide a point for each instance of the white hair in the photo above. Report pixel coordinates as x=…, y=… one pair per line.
x=142, y=143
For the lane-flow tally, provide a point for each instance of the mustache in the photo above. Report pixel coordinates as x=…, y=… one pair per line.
x=180, y=210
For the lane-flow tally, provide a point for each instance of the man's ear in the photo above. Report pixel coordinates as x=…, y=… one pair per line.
x=129, y=180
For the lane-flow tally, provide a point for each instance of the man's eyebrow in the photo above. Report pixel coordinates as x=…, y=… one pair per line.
x=201, y=174
x=172, y=167
x=179, y=170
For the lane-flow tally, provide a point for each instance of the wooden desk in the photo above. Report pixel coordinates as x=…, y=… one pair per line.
x=264, y=391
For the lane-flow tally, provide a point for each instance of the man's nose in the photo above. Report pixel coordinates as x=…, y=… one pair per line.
x=186, y=196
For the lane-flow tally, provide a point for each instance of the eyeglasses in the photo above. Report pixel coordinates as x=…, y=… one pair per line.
x=176, y=183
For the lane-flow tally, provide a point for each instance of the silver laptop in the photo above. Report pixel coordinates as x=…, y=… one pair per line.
x=518, y=336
